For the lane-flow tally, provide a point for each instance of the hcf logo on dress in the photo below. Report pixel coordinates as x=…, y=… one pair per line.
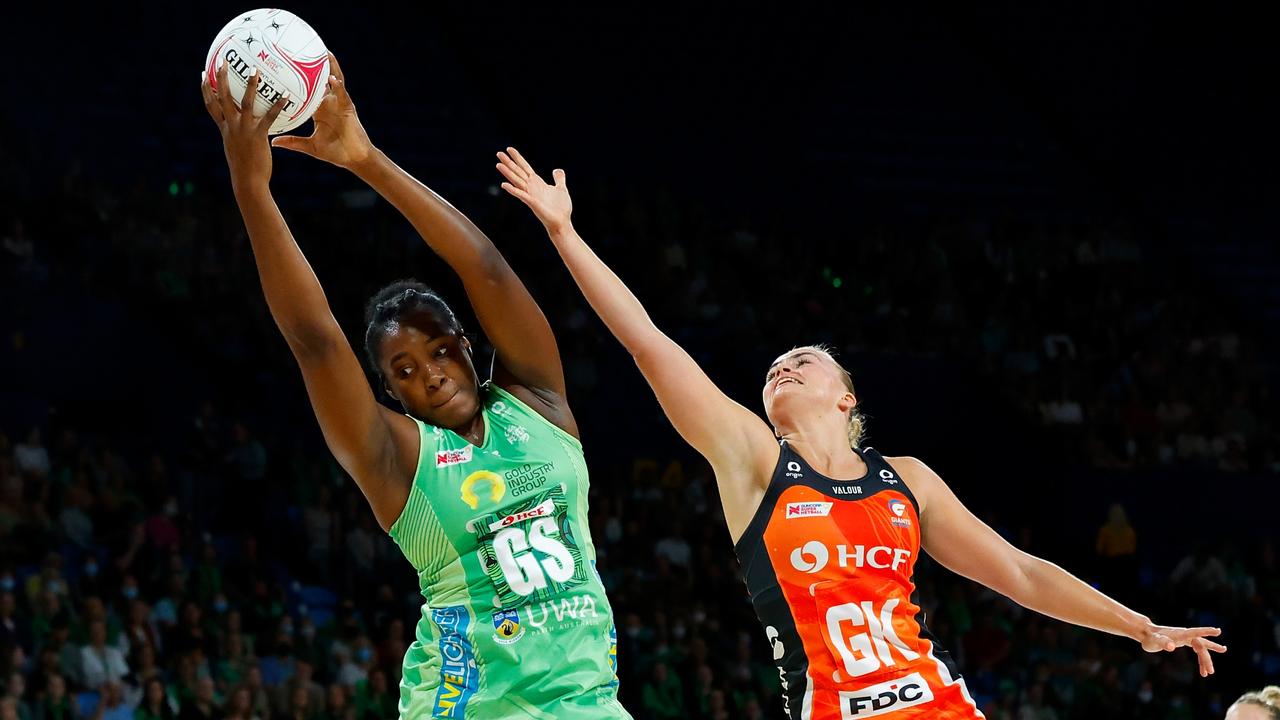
x=813, y=556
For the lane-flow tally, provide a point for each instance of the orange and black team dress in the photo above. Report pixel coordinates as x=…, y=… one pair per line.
x=829, y=565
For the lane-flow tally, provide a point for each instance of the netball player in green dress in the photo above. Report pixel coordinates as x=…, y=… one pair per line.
x=482, y=484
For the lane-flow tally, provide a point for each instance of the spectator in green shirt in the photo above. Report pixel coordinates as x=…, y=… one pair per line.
x=663, y=694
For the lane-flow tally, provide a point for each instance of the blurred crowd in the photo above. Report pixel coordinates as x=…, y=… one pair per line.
x=215, y=563
x=113, y=603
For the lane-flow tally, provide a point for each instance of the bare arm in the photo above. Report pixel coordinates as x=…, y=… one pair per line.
x=967, y=546
x=507, y=312
x=371, y=443
x=736, y=442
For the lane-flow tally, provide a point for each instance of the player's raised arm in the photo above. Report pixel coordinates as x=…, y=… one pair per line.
x=372, y=443
x=967, y=546
x=735, y=440
x=508, y=313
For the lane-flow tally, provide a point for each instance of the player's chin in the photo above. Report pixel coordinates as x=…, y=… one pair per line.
x=782, y=403
x=456, y=410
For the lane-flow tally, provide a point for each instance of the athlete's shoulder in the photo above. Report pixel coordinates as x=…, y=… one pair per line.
x=906, y=464
x=544, y=404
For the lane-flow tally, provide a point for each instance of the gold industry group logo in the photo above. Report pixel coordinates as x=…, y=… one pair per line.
x=496, y=488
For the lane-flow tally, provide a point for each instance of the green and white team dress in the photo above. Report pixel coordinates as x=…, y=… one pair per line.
x=515, y=622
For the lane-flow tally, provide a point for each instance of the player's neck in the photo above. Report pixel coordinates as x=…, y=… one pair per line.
x=825, y=446
x=472, y=430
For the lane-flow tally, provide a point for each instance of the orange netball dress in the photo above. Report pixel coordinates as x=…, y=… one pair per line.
x=829, y=565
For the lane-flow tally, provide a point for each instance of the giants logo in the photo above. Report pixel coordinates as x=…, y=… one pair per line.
x=898, y=508
x=814, y=556
x=887, y=697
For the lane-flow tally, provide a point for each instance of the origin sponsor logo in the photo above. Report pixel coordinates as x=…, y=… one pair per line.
x=892, y=696
x=808, y=509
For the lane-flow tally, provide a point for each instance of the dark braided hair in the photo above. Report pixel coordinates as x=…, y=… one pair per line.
x=393, y=302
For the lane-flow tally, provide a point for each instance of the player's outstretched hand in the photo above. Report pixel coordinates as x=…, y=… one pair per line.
x=244, y=137
x=338, y=138
x=550, y=203
x=1160, y=638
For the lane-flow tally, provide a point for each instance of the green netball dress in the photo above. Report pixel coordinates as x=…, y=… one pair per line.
x=515, y=622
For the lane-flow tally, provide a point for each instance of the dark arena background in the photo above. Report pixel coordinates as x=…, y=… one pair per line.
x=1044, y=243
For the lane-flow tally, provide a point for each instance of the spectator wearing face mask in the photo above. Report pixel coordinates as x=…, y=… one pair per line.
x=92, y=581
x=49, y=579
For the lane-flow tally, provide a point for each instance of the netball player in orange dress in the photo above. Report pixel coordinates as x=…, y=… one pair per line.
x=828, y=532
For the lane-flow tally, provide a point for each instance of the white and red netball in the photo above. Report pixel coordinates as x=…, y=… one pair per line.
x=285, y=50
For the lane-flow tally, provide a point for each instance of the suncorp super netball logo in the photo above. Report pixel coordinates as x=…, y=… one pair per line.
x=811, y=558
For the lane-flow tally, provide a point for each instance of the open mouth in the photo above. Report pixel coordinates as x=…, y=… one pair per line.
x=786, y=380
